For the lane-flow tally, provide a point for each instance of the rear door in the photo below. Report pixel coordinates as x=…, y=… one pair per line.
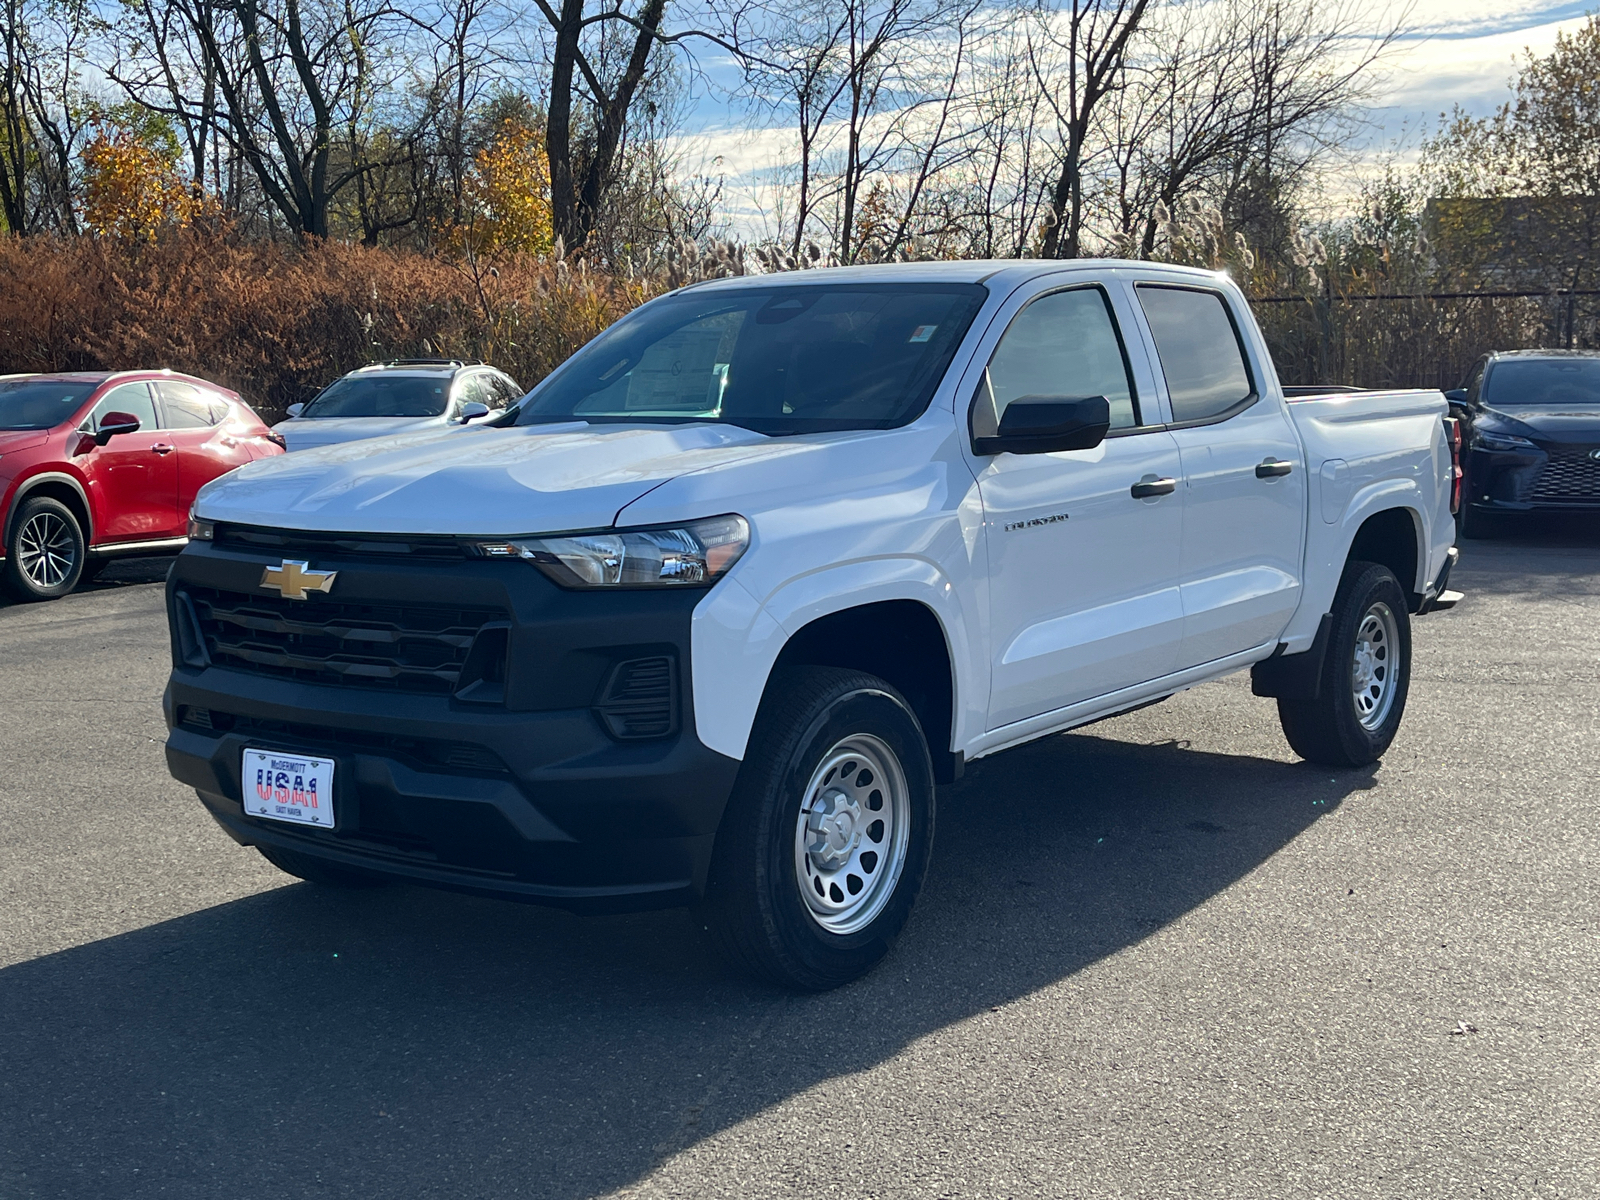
x=1244, y=477
x=1082, y=600
x=203, y=444
x=133, y=478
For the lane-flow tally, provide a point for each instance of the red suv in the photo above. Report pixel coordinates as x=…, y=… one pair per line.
x=96, y=465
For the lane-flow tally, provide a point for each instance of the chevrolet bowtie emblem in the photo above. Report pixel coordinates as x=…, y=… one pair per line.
x=294, y=579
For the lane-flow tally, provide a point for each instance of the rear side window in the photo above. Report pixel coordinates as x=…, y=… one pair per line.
x=186, y=406
x=506, y=388
x=1200, y=353
x=1064, y=344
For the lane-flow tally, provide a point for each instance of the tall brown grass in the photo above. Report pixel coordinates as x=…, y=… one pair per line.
x=276, y=320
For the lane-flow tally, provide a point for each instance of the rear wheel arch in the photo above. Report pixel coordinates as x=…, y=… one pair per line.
x=1393, y=538
x=58, y=486
x=901, y=642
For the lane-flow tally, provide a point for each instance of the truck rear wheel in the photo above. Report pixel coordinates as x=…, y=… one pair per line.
x=1366, y=674
x=827, y=835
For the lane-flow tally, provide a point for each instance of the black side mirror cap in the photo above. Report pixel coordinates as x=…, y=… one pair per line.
x=1456, y=395
x=115, y=423
x=1046, y=424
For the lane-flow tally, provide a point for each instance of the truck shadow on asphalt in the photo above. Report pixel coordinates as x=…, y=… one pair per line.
x=402, y=1042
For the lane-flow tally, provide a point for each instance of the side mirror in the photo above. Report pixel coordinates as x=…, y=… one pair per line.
x=294, y=410
x=114, y=423
x=1456, y=395
x=1046, y=424
x=472, y=410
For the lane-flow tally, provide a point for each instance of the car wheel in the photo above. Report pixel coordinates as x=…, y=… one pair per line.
x=315, y=870
x=826, y=838
x=44, y=557
x=1366, y=674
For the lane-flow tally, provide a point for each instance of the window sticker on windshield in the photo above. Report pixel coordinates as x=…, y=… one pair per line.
x=922, y=333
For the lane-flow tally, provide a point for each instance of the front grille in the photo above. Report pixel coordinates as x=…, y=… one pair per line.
x=291, y=542
x=423, y=752
x=1568, y=477
x=408, y=648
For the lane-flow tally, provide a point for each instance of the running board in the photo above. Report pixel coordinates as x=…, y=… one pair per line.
x=120, y=549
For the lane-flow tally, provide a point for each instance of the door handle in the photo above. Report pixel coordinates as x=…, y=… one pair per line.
x=162, y=448
x=1271, y=468
x=1151, y=485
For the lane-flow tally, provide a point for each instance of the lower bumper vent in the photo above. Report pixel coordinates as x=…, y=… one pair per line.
x=640, y=699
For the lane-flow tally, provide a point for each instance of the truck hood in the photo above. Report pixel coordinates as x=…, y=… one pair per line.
x=476, y=480
x=304, y=433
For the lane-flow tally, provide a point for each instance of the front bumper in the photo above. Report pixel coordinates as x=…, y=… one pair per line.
x=538, y=794
x=1554, y=477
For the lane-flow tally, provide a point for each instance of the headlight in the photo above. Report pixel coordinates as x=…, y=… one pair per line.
x=200, y=530
x=694, y=554
x=1484, y=439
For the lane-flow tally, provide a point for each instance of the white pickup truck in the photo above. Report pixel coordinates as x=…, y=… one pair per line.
x=709, y=613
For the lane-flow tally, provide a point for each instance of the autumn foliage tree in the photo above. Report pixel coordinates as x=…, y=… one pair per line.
x=508, y=195
x=132, y=187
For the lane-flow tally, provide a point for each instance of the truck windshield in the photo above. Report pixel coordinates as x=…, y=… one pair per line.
x=40, y=403
x=382, y=396
x=808, y=358
x=1547, y=382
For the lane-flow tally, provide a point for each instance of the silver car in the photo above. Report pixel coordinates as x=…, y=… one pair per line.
x=401, y=396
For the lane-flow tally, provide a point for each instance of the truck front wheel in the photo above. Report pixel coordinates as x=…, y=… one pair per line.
x=1366, y=674
x=827, y=835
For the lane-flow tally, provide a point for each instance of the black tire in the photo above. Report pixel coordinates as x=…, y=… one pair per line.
x=1478, y=525
x=754, y=905
x=45, y=552
x=316, y=870
x=1330, y=730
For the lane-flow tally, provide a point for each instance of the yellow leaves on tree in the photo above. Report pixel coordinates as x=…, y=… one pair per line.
x=508, y=194
x=133, y=189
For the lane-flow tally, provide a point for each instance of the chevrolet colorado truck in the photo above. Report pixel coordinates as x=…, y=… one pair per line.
x=709, y=613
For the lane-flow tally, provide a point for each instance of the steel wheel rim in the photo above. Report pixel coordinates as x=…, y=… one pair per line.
x=1373, y=665
x=846, y=874
x=46, y=551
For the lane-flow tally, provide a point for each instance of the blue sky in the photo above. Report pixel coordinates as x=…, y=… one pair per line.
x=1455, y=52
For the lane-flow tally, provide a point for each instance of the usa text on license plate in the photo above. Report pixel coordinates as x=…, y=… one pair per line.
x=288, y=787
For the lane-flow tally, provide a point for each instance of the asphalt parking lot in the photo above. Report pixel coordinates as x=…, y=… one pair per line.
x=1156, y=958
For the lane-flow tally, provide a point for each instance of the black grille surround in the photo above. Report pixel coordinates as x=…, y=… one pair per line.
x=408, y=647
x=293, y=543
x=1568, y=477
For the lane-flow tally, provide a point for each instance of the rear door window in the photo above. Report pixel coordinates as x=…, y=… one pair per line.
x=1200, y=352
x=185, y=406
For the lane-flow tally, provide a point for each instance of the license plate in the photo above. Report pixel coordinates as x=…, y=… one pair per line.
x=288, y=787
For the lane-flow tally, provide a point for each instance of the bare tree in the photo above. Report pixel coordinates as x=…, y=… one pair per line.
x=1077, y=68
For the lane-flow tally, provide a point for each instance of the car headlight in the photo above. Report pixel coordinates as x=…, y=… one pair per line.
x=1484, y=439
x=693, y=554
x=200, y=530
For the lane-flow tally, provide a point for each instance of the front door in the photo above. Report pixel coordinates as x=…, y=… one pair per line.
x=1082, y=598
x=1244, y=504
x=134, y=476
